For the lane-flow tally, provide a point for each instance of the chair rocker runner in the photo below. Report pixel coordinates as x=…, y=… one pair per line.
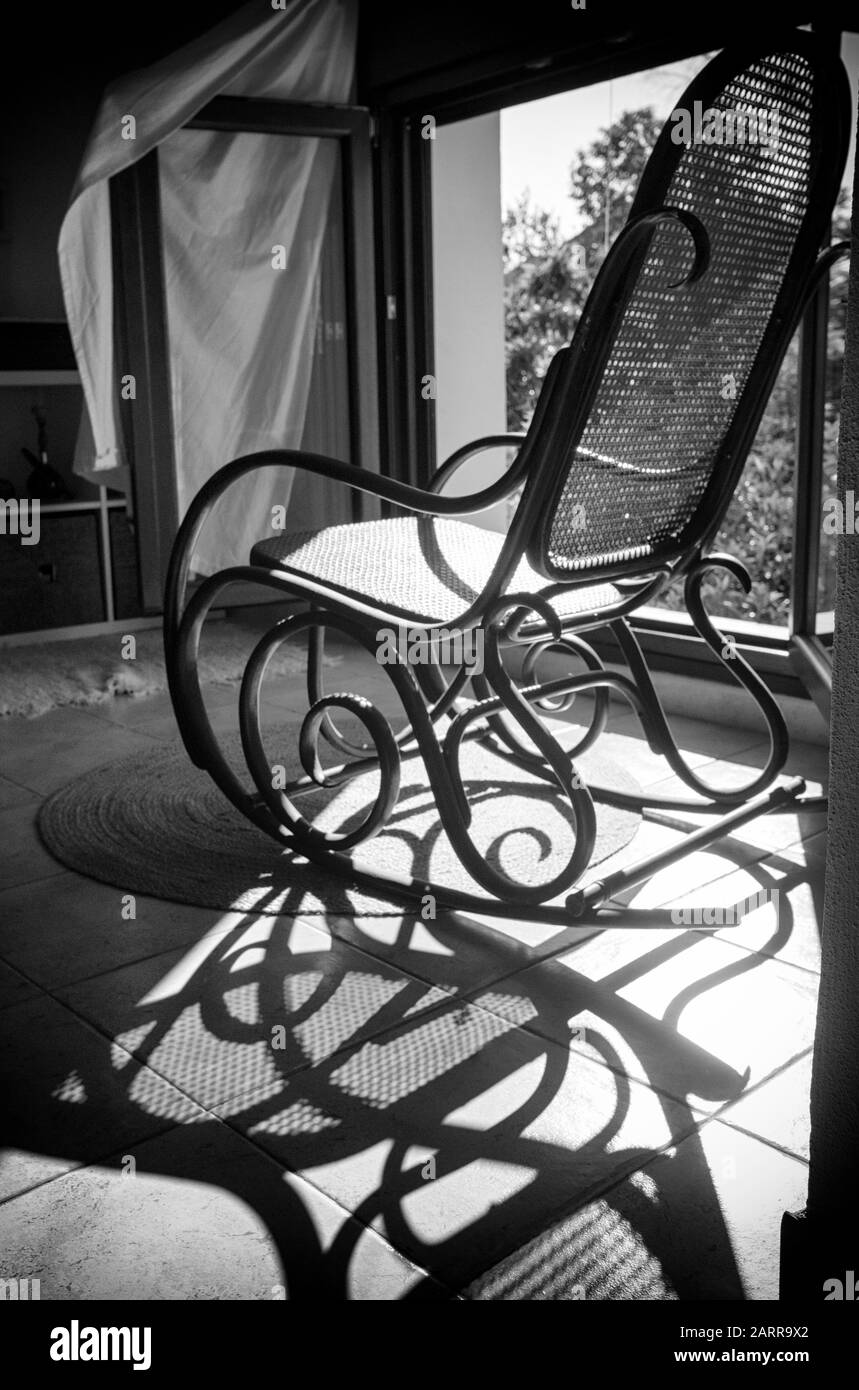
x=627, y=469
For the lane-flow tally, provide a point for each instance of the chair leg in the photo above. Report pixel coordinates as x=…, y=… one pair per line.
x=740, y=671
x=573, y=646
x=441, y=759
x=510, y=713
x=641, y=693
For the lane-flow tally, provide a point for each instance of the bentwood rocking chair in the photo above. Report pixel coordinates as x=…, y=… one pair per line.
x=626, y=472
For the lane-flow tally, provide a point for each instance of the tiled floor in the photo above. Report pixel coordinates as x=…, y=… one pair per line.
x=205, y=1105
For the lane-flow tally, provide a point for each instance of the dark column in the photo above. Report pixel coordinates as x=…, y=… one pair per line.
x=823, y=1242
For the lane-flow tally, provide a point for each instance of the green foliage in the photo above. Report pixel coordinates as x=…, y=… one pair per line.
x=609, y=171
x=545, y=287
x=547, y=278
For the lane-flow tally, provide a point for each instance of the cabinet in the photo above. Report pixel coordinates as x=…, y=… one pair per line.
x=80, y=566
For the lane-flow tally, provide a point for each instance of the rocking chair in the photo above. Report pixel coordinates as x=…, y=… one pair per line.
x=637, y=443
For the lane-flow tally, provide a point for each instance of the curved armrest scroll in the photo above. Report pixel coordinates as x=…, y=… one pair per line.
x=401, y=494
x=454, y=462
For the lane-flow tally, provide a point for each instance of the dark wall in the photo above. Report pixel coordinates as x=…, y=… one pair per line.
x=62, y=58
x=85, y=46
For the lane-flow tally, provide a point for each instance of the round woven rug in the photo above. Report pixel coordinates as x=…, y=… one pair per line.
x=156, y=825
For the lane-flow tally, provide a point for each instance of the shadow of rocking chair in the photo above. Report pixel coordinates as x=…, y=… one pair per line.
x=636, y=446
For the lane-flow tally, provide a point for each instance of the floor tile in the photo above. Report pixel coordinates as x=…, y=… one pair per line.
x=778, y=829
x=129, y=711
x=14, y=987
x=696, y=868
x=24, y=858
x=457, y=951
x=223, y=717
x=204, y=1216
x=13, y=795
x=629, y=751
x=778, y=1111
x=47, y=753
x=700, y=1222
x=673, y=1009
x=457, y=1135
x=700, y=741
x=243, y=1009
x=68, y=927
x=811, y=851
x=652, y=837
x=132, y=712
x=787, y=925
x=753, y=1185
x=70, y=1096
x=808, y=760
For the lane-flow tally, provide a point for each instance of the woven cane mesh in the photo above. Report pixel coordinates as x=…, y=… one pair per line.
x=676, y=374
x=424, y=569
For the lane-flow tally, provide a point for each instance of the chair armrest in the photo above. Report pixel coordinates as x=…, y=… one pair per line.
x=454, y=462
x=401, y=494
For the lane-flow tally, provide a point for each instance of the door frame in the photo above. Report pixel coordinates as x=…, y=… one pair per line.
x=142, y=347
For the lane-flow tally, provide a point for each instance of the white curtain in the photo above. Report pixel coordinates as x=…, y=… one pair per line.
x=241, y=330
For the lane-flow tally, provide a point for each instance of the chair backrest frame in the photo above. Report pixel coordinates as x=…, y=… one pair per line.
x=576, y=372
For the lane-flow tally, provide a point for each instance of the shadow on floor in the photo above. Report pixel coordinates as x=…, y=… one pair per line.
x=460, y=1129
